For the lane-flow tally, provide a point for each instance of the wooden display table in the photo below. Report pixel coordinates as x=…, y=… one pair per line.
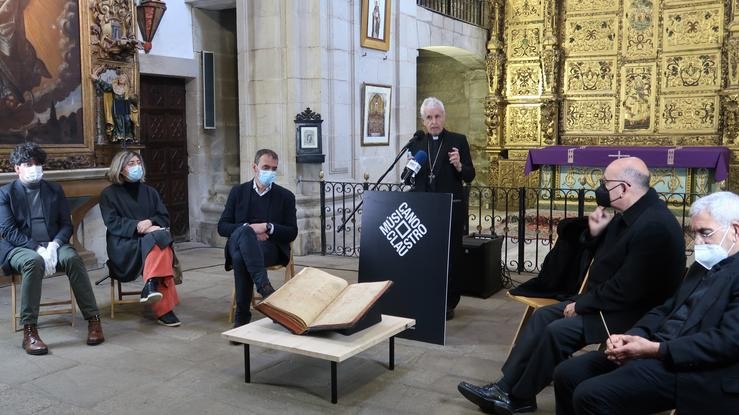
x=327, y=345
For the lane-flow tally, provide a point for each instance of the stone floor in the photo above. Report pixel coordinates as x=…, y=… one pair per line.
x=145, y=368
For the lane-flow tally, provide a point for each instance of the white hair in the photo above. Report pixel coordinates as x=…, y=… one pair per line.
x=429, y=103
x=723, y=207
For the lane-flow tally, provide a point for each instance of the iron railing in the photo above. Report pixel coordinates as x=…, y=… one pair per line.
x=526, y=217
x=471, y=11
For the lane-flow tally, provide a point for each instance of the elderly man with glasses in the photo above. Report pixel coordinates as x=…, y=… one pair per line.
x=638, y=263
x=683, y=354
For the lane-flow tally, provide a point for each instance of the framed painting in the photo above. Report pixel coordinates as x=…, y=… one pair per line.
x=375, y=19
x=376, y=115
x=44, y=95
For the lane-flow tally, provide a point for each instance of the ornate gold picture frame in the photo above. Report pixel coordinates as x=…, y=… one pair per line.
x=45, y=93
x=375, y=25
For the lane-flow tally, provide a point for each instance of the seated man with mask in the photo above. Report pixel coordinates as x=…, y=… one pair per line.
x=260, y=222
x=638, y=262
x=683, y=354
x=35, y=226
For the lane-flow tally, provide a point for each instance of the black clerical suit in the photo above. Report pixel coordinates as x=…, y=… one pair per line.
x=698, y=368
x=446, y=179
x=243, y=252
x=638, y=264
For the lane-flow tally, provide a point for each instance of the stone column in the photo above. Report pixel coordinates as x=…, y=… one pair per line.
x=494, y=104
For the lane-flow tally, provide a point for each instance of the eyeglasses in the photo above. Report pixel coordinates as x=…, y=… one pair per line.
x=705, y=233
x=603, y=182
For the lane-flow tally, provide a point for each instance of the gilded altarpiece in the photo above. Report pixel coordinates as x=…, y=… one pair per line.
x=614, y=73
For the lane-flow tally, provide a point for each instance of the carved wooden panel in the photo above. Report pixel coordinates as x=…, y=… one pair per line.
x=589, y=6
x=638, y=83
x=640, y=28
x=589, y=76
x=591, y=36
x=691, y=71
x=523, y=80
x=522, y=124
x=524, y=10
x=589, y=115
x=693, y=28
x=524, y=42
x=689, y=114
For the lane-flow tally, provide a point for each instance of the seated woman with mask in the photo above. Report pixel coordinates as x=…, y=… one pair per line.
x=138, y=238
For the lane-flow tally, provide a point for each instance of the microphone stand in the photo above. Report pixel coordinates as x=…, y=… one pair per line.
x=377, y=183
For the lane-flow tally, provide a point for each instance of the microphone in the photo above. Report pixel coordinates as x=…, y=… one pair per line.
x=414, y=165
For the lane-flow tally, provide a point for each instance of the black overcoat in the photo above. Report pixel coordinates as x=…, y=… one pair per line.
x=127, y=248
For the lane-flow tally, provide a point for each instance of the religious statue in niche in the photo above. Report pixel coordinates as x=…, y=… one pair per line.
x=113, y=34
x=119, y=105
x=376, y=116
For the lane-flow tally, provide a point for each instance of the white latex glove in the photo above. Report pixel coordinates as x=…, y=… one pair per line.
x=48, y=269
x=52, y=249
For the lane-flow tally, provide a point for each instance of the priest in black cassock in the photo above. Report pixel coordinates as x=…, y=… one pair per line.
x=449, y=164
x=138, y=238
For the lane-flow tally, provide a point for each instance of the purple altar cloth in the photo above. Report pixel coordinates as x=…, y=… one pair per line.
x=716, y=158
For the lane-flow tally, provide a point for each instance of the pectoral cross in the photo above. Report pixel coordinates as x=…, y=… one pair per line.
x=619, y=155
x=432, y=176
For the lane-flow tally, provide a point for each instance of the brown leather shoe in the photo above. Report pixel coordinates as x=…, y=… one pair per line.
x=94, y=331
x=32, y=343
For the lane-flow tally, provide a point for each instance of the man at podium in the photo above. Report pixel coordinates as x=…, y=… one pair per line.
x=448, y=164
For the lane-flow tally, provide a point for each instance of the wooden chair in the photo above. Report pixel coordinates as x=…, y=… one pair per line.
x=46, y=308
x=532, y=303
x=117, y=296
x=289, y=273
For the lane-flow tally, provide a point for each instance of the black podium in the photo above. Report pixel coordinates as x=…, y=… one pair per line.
x=481, y=267
x=405, y=238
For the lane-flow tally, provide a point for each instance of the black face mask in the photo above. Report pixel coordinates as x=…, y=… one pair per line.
x=602, y=196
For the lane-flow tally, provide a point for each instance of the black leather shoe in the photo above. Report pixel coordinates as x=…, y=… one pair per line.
x=265, y=290
x=491, y=398
x=515, y=406
x=149, y=293
x=449, y=313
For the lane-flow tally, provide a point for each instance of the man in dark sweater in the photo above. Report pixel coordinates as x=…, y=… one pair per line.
x=638, y=263
x=683, y=354
x=35, y=228
x=260, y=222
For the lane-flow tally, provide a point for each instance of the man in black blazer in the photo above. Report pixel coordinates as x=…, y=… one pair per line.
x=35, y=227
x=683, y=354
x=449, y=164
x=638, y=263
x=260, y=222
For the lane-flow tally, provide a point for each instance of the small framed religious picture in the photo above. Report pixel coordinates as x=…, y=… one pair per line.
x=375, y=25
x=308, y=137
x=376, y=115
x=308, y=140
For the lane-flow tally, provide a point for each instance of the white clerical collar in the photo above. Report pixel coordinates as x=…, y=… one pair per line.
x=256, y=189
x=435, y=137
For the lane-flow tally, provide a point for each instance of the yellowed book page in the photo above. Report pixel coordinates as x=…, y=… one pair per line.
x=351, y=303
x=307, y=293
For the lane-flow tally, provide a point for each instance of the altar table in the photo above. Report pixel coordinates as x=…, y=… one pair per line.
x=716, y=158
x=326, y=345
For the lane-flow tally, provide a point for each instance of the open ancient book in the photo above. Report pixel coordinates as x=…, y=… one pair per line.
x=315, y=300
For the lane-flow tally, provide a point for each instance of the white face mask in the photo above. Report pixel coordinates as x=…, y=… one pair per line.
x=709, y=255
x=33, y=174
